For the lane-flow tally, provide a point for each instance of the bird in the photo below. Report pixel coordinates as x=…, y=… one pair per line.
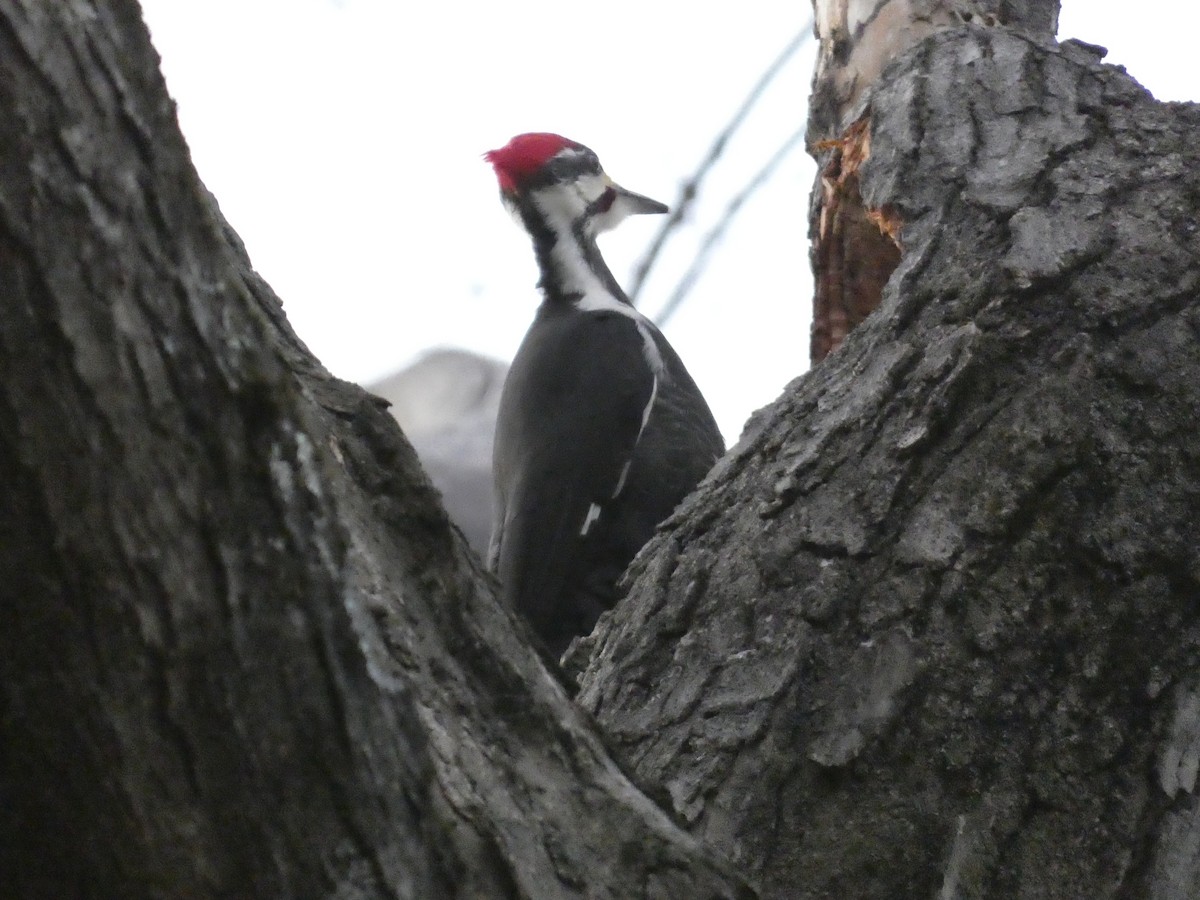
x=601, y=431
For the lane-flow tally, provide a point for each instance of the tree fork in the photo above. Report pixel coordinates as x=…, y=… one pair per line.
x=243, y=652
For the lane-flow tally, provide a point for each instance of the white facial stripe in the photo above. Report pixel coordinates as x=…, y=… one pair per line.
x=590, y=187
x=570, y=152
x=565, y=204
x=622, y=208
x=562, y=206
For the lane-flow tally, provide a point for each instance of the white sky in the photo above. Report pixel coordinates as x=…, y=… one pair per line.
x=343, y=140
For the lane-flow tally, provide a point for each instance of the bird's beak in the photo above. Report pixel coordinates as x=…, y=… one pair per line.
x=637, y=205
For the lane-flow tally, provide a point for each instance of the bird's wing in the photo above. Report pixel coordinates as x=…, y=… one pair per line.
x=563, y=444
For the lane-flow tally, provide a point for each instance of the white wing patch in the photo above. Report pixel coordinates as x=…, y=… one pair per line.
x=621, y=481
x=593, y=514
x=645, y=419
x=646, y=411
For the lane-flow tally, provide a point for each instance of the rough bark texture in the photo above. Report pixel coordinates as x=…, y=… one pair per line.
x=858, y=38
x=446, y=402
x=854, y=247
x=242, y=652
x=931, y=629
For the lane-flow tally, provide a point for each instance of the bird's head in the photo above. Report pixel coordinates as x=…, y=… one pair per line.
x=563, y=181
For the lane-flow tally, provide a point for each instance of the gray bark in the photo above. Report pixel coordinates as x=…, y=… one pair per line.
x=931, y=629
x=242, y=651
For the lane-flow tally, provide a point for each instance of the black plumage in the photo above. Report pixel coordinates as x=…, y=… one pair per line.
x=601, y=430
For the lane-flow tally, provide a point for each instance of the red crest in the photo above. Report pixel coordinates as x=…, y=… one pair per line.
x=524, y=155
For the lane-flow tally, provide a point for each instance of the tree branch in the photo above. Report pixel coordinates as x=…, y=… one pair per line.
x=690, y=189
x=713, y=237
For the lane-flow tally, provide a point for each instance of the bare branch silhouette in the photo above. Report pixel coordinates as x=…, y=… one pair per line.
x=713, y=237
x=690, y=188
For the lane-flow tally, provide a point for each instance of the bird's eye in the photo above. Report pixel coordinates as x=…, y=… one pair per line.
x=605, y=201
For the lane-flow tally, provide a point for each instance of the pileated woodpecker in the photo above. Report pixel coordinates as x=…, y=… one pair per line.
x=601, y=430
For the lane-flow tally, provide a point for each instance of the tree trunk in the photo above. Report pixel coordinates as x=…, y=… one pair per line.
x=242, y=651
x=855, y=248
x=931, y=628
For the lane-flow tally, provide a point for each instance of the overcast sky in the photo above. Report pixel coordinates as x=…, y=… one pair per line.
x=343, y=140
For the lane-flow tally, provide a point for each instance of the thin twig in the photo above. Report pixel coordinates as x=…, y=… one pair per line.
x=689, y=189
x=713, y=237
